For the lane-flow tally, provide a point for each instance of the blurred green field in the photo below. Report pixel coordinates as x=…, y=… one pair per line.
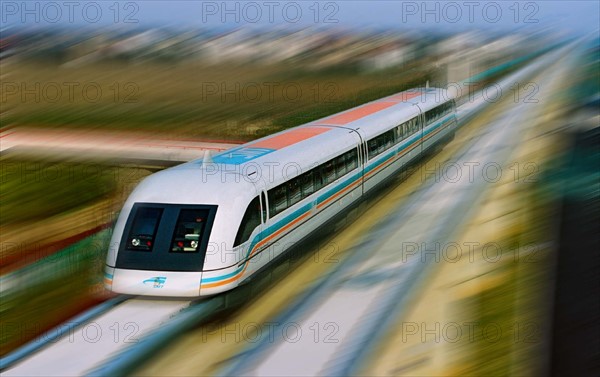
x=34, y=190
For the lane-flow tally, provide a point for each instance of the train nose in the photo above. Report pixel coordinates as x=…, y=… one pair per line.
x=156, y=283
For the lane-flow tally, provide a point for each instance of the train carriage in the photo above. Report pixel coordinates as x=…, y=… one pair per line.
x=206, y=226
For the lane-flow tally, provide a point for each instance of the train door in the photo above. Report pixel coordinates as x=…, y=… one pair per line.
x=257, y=215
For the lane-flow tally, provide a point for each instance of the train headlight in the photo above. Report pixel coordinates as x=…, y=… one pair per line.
x=194, y=244
x=135, y=242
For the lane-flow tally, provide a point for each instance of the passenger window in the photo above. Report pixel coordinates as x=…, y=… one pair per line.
x=372, y=145
x=307, y=183
x=294, y=192
x=340, y=165
x=249, y=222
x=383, y=142
x=277, y=200
x=387, y=141
x=318, y=175
x=380, y=145
x=189, y=229
x=143, y=231
x=352, y=160
x=329, y=171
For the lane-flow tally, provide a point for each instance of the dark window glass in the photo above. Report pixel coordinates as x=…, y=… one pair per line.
x=307, y=183
x=381, y=143
x=188, y=230
x=294, y=192
x=432, y=115
x=277, y=199
x=351, y=160
x=340, y=166
x=250, y=221
x=143, y=231
x=319, y=177
x=372, y=146
x=390, y=139
x=329, y=172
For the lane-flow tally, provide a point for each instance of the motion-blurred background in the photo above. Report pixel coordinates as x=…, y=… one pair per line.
x=95, y=96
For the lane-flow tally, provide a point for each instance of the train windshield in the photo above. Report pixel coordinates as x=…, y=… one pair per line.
x=188, y=230
x=143, y=229
x=166, y=237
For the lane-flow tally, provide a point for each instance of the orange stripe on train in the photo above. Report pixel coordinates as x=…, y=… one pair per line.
x=289, y=138
x=361, y=112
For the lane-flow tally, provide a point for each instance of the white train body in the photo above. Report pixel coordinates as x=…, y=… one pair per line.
x=204, y=227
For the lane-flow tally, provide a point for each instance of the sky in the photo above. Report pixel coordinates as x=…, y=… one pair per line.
x=579, y=17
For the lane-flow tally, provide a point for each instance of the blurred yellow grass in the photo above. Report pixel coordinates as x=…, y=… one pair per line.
x=190, y=99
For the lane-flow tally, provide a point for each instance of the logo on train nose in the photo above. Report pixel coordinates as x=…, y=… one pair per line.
x=156, y=282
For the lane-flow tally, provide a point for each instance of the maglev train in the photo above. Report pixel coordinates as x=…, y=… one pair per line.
x=208, y=225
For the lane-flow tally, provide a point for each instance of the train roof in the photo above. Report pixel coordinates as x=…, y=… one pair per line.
x=283, y=155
